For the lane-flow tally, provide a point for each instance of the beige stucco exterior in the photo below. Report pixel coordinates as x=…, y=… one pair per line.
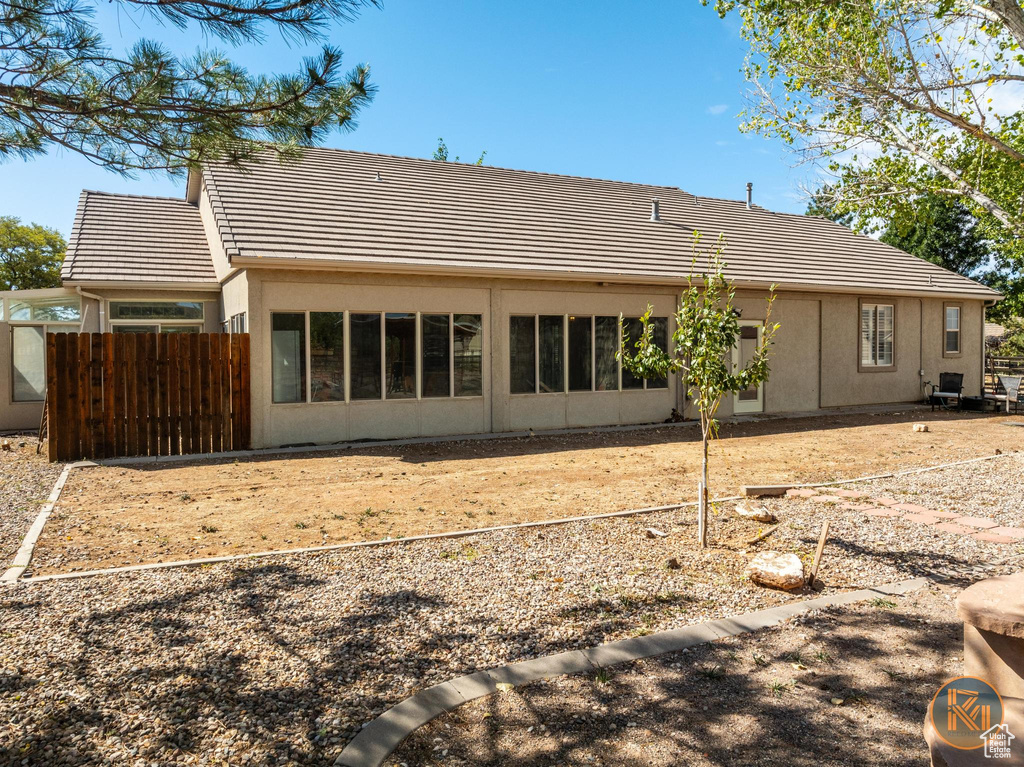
x=814, y=359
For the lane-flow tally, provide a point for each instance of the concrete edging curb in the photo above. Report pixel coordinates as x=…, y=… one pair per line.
x=28, y=545
x=380, y=737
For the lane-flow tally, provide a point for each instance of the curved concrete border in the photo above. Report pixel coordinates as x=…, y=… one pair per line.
x=378, y=739
x=41, y=520
x=28, y=545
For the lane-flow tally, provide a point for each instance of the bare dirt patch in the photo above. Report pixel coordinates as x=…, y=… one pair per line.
x=113, y=516
x=848, y=686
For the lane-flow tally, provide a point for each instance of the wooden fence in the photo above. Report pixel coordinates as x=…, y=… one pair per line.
x=128, y=394
x=997, y=366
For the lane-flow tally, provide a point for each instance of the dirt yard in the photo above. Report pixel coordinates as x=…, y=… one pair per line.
x=841, y=687
x=113, y=516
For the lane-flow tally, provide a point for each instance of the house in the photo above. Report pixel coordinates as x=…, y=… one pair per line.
x=395, y=297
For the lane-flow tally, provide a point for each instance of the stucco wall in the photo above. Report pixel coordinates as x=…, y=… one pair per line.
x=496, y=410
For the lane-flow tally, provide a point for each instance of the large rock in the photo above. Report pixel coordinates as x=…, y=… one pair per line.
x=754, y=513
x=778, y=570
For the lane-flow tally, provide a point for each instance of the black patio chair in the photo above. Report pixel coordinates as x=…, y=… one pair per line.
x=951, y=387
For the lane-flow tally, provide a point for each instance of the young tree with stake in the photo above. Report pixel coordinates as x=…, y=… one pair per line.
x=707, y=330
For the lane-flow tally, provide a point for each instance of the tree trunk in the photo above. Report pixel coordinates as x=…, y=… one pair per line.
x=702, y=506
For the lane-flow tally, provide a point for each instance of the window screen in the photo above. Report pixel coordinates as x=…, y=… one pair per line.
x=435, y=342
x=365, y=356
x=288, y=357
x=327, y=356
x=522, y=352
x=469, y=355
x=580, y=357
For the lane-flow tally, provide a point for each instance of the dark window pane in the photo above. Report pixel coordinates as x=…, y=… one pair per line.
x=180, y=329
x=469, y=355
x=552, y=354
x=288, y=356
x=660, y=338
x=606, y=343
x=436, y=346
x=156, y=310
x=327, y=356
x=953, y=341
x=631, y=327
x=522, y=351
x=364, y=356
x=400, y=351
x=579, y=354
x=135, y=328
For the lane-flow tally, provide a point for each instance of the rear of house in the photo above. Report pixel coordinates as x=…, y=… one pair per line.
x=394, y=297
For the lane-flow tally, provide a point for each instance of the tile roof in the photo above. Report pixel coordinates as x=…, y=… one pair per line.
x=132, y=239
x=464, y=219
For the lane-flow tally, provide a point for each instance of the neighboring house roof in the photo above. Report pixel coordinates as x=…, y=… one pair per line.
x=329, y=208
x=120, y=238
x=992, y=330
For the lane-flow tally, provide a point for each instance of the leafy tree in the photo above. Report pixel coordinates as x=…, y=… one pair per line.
x=821, y=204
x=441, y=153
x=707, y=330
x=1012, y=344
x=30, y=255
x=149, y=109
x=943, y=232
x=897, y=99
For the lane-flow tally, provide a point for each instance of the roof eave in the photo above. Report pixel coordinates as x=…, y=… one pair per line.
x=273, y=262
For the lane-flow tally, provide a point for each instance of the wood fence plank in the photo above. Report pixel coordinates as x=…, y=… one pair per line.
x=108, y=363
x=245, y=400
x=120, y=393
x=57, y=428
x=173, y=393
x=50, y=402
x=236, y=387
x=215, y=381
x=184, y=390
x=204, y=393
x=225, y=392
x=96, y=419
x=131, y=390
x=153, y=396
x=84, y=398
x=195, y=394
x=163, y=377
x=141, y=395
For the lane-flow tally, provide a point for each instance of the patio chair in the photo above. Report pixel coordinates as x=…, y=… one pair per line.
x=1011, y=385
x=950, y=388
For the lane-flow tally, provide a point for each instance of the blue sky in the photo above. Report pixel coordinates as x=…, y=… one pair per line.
x=638, y=92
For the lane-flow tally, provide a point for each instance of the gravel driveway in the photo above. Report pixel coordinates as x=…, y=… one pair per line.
x=280, y=661
x=25, y=483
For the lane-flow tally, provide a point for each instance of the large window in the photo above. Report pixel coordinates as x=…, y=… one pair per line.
x=951, y=337
x=606, y=344
x=365, y=355
x=522, y=344
x=468, y=352
x=380, y=358
x=288, y=355
x=436, y=344
x=400, y=355
x=580, y=353
x=552, y=353
x=877, y=332
x=31, y=319
x=538, y=360
x=326, y=356
x=156, y=316
x=28, y=355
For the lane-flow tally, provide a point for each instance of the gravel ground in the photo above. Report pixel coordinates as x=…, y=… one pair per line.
x=844, y=687
x=281, y=660
x=27, y=481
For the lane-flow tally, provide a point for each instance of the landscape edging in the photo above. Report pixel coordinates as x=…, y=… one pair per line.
x=378, y=739
x=55, y=495
x=28, y=544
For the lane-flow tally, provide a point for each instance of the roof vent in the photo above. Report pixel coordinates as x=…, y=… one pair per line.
x=378, y=177
x=750, y=195
x=655, y=215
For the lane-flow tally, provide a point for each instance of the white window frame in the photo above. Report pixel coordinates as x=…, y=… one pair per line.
x=959, y=330
x=347, y=353
x=750, y=405
x=565, y=351
x=874, y=364
x=48, y=327
x=113, y=323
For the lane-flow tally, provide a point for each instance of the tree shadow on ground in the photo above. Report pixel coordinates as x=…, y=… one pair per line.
x=734, y=702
